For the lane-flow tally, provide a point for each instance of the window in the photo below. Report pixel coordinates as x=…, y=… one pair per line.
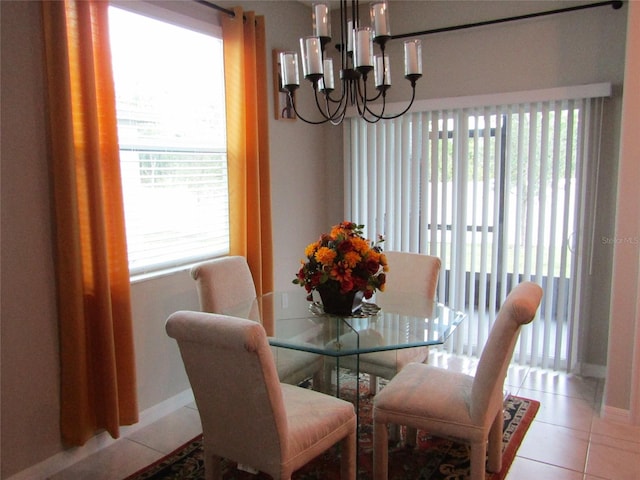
x=169, y=84
x=499, y=193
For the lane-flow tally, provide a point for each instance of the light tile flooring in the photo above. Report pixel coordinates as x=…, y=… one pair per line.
x=567, y=440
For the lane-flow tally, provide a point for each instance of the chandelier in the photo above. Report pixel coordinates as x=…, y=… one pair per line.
x=357, y=65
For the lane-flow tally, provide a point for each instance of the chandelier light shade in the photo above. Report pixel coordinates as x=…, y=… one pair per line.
x=360, y=65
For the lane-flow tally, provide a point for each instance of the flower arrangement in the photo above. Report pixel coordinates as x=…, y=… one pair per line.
x=344, y=262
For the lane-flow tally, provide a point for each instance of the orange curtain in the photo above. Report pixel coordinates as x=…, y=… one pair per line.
x=245, y=68
x=98, y=383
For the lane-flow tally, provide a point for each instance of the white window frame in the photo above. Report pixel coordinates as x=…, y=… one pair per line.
x=198, y=18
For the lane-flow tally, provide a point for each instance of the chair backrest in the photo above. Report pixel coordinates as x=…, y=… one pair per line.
x=223, y=283
x=519, y=308
x=412, y=273
x=235, y=384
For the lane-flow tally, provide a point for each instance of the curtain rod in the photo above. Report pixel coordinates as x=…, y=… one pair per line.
x=616, y=4
x=216, y=7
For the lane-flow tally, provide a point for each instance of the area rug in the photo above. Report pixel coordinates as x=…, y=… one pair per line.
x=432, y=459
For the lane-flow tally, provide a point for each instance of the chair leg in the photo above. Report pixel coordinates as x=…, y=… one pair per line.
x=394, y=432
x=327, y=373
x=380, y=451
x=478, y=460
x=494, y=463
x=212, y=467
x=318, y=380
x=373, y=384
x=348, y=457
x=411, y=438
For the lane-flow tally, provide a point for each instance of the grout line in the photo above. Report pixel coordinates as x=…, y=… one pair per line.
x=139, y=442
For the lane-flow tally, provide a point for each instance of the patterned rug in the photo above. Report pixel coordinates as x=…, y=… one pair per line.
x=433, y=459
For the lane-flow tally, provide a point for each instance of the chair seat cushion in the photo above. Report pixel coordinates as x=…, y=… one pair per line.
x=431, y=398
x=315, y=422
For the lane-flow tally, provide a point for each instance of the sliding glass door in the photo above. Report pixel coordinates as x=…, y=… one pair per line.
x=499, y=193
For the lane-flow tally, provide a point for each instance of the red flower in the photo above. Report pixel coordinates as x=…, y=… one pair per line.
x=346, y=285
x=345, y=246
x=300, y=274
x=372, y=266
x=359, y=283
x=315, y=278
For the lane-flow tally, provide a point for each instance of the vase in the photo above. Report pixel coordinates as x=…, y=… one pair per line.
x=336, y=303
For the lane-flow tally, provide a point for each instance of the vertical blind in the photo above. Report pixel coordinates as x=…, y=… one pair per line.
x=501, y=193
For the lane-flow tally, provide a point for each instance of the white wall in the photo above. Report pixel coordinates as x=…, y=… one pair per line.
x=622, y=389
x=29, y=363
x=584, y=47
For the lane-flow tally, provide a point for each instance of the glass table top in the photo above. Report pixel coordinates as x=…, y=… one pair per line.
x=401, y=321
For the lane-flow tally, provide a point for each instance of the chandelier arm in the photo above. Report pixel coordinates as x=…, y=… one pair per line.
x=322, y=112
x=333, y=100
x=357, y=98
x=413, y=96
x=384, y=106
x=342, y=104
x=312, y=122
x=348, y=88
x=326, y=113
x=374, y=117
x=362, y=95
x=339, y=100
x=368, y=115
x=373, y=99
x=340, y=120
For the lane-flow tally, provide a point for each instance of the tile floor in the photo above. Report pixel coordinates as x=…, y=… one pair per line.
x=567, y=440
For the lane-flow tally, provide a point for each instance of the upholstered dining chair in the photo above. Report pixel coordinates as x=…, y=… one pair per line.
x=452, y=404
x=409, y=273
x=226, y=282
x=247, y=415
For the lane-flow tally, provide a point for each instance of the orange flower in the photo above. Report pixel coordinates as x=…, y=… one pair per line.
x=351, y=259
x=383, y=262
x=344, y=229
x=360, y=245
x=311, y=249
x=340, y=272
x=375, y=256
x=326, y=256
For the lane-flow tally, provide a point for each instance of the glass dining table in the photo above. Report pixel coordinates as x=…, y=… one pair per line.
x=388, y=323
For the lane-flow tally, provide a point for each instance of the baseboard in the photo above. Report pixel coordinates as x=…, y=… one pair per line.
x=65, y=459
x=617, y=415
x=593, y=370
